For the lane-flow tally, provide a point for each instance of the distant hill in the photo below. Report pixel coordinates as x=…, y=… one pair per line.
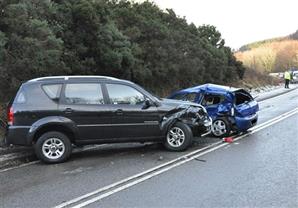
x=257, y=44
x=271, y=55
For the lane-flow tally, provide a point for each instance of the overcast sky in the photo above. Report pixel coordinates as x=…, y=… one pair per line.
x=240, y=21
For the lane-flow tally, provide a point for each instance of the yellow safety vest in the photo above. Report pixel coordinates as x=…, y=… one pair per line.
x=287, y=75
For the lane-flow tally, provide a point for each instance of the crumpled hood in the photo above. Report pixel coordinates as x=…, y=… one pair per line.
x=178, y=108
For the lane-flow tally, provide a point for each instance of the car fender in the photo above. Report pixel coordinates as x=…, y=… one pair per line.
x=49, y=121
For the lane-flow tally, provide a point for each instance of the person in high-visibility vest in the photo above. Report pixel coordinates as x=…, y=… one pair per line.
x=287, y=77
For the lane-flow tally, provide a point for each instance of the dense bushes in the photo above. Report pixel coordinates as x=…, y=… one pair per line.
x=135, y=41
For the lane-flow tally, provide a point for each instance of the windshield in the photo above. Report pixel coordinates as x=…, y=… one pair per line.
x=152, y=95
x=185, y=96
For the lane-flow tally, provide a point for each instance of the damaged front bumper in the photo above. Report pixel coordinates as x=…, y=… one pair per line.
x=202, y=128
x=196, y=117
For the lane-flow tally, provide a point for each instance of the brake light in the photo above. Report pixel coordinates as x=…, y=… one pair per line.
x=10, y=116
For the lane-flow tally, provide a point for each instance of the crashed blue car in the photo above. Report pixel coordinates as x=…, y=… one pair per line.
x=231, y=109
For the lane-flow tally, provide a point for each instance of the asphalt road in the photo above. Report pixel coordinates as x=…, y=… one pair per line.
x=257, y=171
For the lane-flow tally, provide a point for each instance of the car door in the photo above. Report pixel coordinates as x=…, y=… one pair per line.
x=84, y=104
x=131, y=118
x=211, y=102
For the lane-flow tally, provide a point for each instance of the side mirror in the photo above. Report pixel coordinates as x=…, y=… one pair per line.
x=147, y=103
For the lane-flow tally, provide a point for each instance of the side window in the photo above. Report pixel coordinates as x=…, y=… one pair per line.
x=52, y=90
x=178, y=96
x=212, y=100
x=87, y=93
x=186, y=96
x=190, y=97
x=122, y=94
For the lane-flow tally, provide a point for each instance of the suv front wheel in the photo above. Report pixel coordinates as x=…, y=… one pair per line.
x=179, y=137
x=53, y=147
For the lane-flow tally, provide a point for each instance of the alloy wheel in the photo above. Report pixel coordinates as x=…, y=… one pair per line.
x=175, y=137
x=53, y=148
x=219, y=128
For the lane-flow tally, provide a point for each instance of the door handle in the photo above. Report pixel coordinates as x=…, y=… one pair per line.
x=68, y=110
x=119, y=112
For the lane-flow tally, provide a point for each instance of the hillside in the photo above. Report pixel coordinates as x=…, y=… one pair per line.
x=272, y=55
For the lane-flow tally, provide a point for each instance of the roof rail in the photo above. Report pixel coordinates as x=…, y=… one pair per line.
x=68, y=77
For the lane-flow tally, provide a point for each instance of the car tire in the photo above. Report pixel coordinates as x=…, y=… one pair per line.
x=221, y=127
x=53, y=147
x=179, y=137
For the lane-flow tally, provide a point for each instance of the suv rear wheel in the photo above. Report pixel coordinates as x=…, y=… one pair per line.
x=179, y=137
x=53, y=147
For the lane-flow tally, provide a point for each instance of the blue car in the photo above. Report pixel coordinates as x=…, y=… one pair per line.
x=231, y=109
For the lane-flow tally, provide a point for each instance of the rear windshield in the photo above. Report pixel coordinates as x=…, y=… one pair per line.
x=242, y=97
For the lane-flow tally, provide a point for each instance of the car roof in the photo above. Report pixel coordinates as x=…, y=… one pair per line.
x=219, y=89
x=55, y=78
x=76, y=78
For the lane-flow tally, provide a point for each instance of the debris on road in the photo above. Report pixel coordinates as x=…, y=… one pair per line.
x=160, y=158
x=228, y=139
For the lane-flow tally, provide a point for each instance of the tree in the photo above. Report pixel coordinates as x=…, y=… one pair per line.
x=120, y=38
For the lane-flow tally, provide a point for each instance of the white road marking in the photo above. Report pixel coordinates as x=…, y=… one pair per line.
x=143, y=176
x=132, y=177
x=19, y=166
x=37, y=161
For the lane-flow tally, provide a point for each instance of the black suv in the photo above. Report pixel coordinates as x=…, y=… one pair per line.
x=55, y=113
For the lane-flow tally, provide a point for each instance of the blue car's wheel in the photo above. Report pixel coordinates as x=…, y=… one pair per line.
x=221, y=127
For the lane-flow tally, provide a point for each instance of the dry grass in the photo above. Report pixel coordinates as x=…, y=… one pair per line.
x=254, y=79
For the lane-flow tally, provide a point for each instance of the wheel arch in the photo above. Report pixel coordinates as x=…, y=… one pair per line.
x=167, y=125
x=47, y=124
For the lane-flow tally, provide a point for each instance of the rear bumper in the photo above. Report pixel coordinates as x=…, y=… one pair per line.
x=17, y=135
x=244, y=123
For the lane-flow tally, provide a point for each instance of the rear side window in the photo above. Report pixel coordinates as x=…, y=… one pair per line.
x=52, y=90
x=123, y=94
x=86, y=93
x=20, y=98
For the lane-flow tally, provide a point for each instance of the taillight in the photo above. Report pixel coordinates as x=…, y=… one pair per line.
x=10, y=116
